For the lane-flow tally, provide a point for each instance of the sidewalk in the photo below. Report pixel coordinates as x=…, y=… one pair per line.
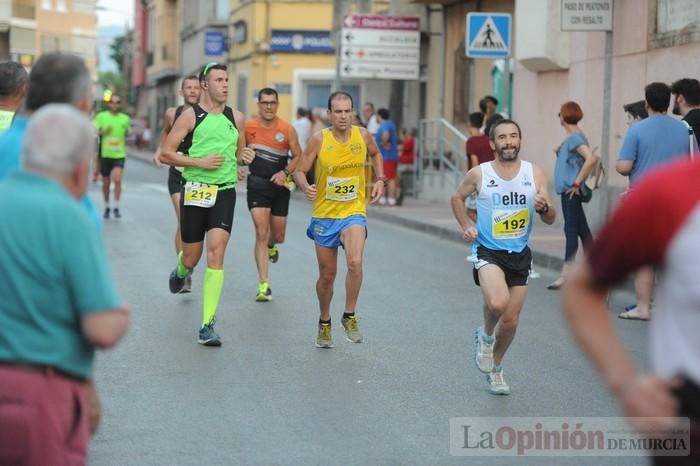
x=435, y=218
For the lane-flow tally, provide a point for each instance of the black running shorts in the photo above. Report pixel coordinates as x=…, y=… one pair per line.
x=174, y=181
x=107, y=165
x=264, y=193
x=515, y=265
x=195, y=222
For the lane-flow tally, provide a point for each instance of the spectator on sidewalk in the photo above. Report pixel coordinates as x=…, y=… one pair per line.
x=407, y=157
x=371, y=122
x=635, y=111
x=490, y=121
x=478, y=151
x=648, y=145
x=58, y=298
x=146, y=137
x=574, y=163
x=302, y=125
x=388, y=142
x=686, y=102
x=13, y=87
x=478, y=148
x=488, y=106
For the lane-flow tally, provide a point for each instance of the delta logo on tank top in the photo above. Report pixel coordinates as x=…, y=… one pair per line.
x=505, y=209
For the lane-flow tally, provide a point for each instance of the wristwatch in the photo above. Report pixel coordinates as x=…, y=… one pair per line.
x=383, y=179
x=543, y=210
x=286, y=172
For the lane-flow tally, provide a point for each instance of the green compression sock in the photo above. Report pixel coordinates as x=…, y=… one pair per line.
x=211, y=289
x=182, y=271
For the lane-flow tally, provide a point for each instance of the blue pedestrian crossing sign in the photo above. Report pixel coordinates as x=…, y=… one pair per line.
x=488, y=35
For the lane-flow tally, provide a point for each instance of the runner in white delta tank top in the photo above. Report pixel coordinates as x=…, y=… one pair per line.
x=510, y=192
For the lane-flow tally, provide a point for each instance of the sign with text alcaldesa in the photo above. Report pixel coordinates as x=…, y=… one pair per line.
x=380, y=47
x=586, y=16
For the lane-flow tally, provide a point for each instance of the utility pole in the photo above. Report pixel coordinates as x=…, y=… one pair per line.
x=340, y=9
x=364, y=6
x=397, y=86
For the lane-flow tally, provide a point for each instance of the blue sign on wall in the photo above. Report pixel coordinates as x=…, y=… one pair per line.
x=488, y=35
x=301, y=41
x=214, y=43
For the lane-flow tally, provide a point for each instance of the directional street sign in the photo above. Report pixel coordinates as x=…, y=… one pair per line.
x=488, y=35
x=380, y=47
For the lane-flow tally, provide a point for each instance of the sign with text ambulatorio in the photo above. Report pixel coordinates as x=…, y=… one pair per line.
x=380, y=47
x=586, y=16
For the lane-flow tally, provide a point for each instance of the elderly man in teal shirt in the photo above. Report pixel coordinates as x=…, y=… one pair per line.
x=58, y=298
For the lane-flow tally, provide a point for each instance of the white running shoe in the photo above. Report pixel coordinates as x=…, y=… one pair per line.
x=483, y=352
x=498, y=383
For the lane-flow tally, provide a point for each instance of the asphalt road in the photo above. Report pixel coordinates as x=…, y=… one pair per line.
x=268, y=396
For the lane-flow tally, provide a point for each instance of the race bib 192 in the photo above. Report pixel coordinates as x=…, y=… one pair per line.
x=342, y=189
x=200, y=194
x=510, y=224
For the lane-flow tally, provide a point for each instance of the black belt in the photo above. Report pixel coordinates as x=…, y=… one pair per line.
x=44, y=369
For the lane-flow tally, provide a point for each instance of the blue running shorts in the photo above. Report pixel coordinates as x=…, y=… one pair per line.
x=326, y=231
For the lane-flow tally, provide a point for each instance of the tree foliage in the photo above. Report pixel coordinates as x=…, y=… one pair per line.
x=117, y=51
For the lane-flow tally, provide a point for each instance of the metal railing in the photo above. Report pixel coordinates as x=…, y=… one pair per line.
x=442, y=158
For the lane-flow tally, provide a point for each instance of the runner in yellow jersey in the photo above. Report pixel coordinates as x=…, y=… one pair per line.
x=339, y=216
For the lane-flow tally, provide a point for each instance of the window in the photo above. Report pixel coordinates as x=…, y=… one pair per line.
x=61, y=5
x=461, y=104
x=86, y=7
x=84, y=45
x=47, y=4
x=677, y=23
x=317, y=94
x=242, y=94
x=221, y=9
x=190, y=10
x=151, y=31
x=674, y=15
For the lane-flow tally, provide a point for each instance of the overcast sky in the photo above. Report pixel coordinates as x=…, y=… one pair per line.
x=115, y=13
x=111, y=22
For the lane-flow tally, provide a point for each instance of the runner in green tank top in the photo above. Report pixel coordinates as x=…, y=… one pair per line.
x=208, y=196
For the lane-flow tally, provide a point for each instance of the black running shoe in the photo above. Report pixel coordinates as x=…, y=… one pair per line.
x=176, y=283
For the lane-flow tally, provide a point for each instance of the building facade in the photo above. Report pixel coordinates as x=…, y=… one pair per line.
x=290, y=46
x=162, y=60
x=29, y=28
x=296, y=57
x=652, y=40
x=204, y=34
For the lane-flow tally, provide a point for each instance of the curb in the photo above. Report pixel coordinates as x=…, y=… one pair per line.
x=540, y=259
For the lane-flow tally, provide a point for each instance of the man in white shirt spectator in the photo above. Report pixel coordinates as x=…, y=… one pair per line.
x=370, y=118
x=302, y=125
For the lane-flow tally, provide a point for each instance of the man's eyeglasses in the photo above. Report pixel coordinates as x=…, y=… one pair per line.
x=268, y=103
